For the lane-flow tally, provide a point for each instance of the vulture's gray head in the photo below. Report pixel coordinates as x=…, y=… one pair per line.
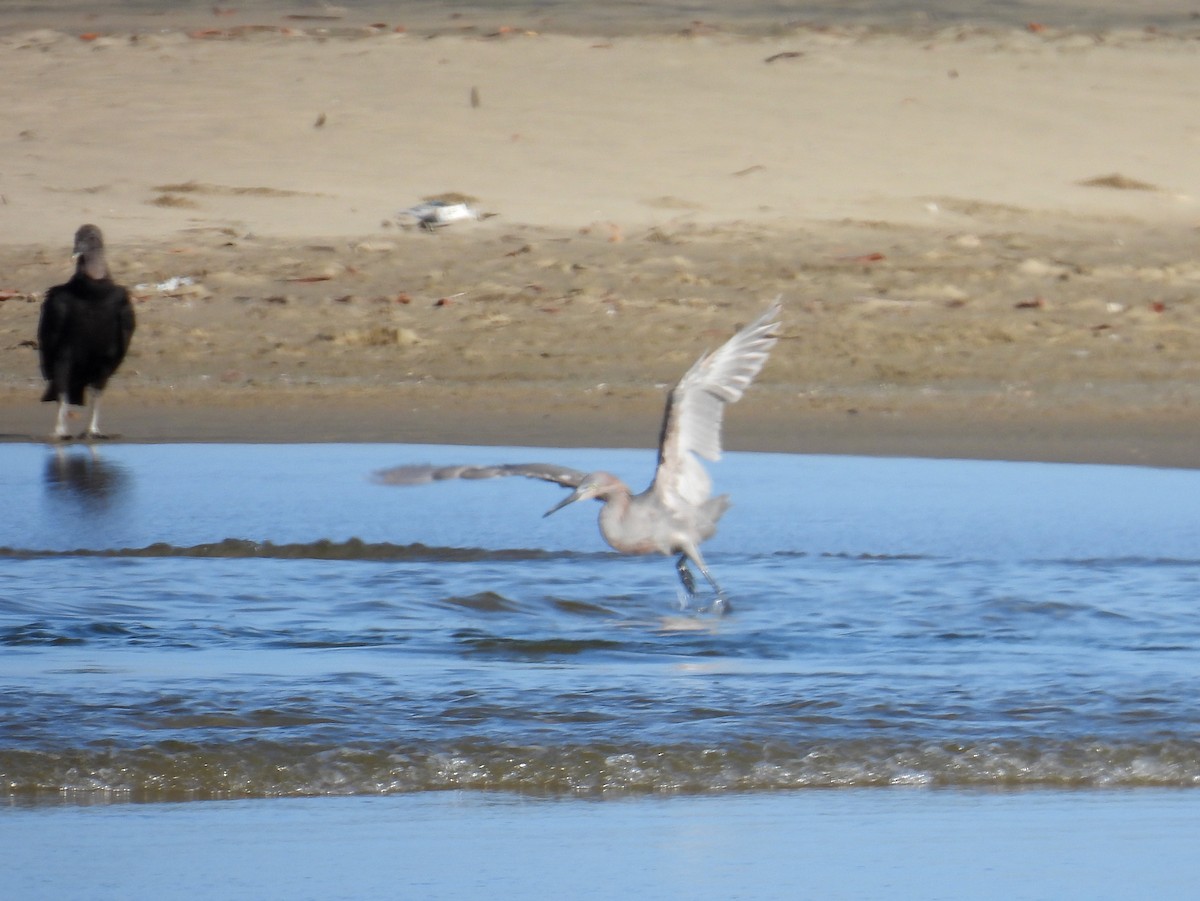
x=89, y=252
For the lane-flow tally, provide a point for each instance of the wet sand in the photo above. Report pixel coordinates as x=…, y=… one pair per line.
x=984, y=239
x=574, y=341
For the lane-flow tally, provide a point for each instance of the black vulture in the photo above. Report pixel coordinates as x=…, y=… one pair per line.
x=83, y=333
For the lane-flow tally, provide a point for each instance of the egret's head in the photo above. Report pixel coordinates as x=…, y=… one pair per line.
x=595, y=484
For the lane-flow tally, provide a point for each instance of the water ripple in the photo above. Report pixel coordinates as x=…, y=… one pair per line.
x=182, y=771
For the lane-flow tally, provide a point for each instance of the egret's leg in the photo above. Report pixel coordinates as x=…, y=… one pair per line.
x=685, y=575
x=721, y=603
x=61, y=432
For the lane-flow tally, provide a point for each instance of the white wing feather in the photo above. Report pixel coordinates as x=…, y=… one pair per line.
x=696, y=407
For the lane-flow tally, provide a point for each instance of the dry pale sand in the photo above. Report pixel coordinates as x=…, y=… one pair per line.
x=985, y=239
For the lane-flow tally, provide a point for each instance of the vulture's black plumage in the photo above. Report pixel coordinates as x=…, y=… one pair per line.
x=83, y=332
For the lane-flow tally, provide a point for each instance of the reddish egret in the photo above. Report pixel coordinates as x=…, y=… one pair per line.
x=83, y=333
x=676, y=513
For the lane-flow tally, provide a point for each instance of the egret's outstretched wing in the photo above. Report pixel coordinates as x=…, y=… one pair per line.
x=692, y=422
x=421, y=475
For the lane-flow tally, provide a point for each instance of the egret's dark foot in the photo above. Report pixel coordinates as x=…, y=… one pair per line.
x=57, y=438
x=686, y=577
x=96, y=436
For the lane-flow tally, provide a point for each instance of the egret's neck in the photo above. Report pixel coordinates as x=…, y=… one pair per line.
x=616, y=499
x=627, y=525
x=611, y=490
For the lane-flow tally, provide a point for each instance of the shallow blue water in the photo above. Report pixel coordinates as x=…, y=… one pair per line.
x=857, y=844
x=203, y=621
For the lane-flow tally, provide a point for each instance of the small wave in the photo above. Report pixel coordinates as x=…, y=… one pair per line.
x=181, y=771
x=41, y=633
x=481, y=602
x=1102, y=563
x=533, y=648
x=323, y=549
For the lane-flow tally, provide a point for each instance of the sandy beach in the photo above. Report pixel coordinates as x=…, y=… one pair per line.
x=984, y=238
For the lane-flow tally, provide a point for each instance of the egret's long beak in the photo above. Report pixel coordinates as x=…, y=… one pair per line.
x=569, y=499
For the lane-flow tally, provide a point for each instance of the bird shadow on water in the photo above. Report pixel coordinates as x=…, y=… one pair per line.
x=83, y=479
